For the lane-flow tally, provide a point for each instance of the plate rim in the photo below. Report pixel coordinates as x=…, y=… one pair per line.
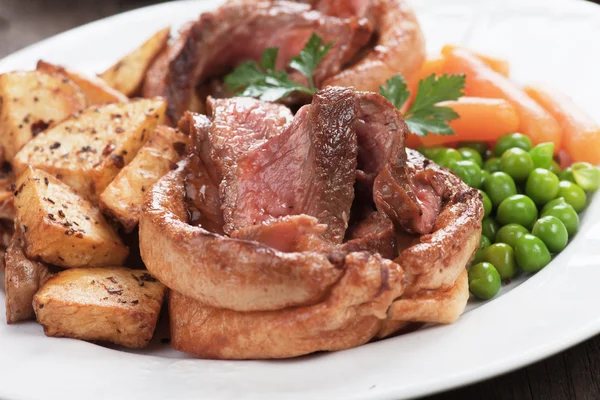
x=503, y=365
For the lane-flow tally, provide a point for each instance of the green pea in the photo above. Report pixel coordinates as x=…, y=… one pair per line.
x=484, y=243
x=553, y=203
x=484, y=175
x=542, y=155
x=484, y=281
x=586, y=175
x=567, y=214
x=480, y=147
x=567, y=175
x=489, y=227
x=531, y=253
x=573, y=195
x=499, y=186
x=446, y=157
x=430, y=152
x=470, y=154
x=555, y=168
x=552, y=232
x=542, y=186
x=517, y=163
x=502, y=256
x=487, y=203
x=510, y=233
x=512, y=140
x=468, y=171
x=492, y=165
x=517, y=209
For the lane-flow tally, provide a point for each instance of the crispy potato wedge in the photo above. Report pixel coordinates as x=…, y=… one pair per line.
x=30, y=102
x=88, y=151
x=96, y=91
x=7, y=187
x=118, y=305
x=128, y=73
x=7, y=229
x=60, y=227
x=23, y=278
x=122, y=198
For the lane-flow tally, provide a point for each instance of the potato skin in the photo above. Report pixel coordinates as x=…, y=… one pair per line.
x=62, y=228
x=127, y=74
x=30, y=102
x=122, y=198
x=88, y=150
x=23, y=278
x=114, y=304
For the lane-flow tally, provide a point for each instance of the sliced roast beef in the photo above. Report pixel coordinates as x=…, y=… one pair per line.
x=411, y=193
x=218, y=41
x=239, y=125
x=381, y=134
x=374, y=234
x=202, y=197
x=288, y=234
x=309, y=169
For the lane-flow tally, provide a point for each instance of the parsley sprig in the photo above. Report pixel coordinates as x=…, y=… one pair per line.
x=424, y=115
x=261, y=80
x=264, y=82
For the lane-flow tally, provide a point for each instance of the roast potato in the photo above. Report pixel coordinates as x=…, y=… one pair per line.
x=115, y=304
x=30, y=102
x=122, y=198
x=88, y=150
x=23, y=278
x=6, y=233
x=7, y=187
x=96, y=91
x=128, y=73
x=62, y=228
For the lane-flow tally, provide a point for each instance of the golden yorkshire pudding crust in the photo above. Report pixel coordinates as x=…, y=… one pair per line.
x=226, y=305
x=350, y=316
x=219, y=271
x=438, y=259
x=400, y=48
x=435, y=306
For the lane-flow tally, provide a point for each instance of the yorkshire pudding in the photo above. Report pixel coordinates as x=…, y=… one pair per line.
x=276, y=284
x=220, y=271
x=351, y=315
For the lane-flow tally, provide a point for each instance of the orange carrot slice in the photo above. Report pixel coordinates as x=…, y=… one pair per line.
x=434, y=64
x=482, y=81
x=413, y=141
x=581, y=134
x=499, y=65
x=480, y=119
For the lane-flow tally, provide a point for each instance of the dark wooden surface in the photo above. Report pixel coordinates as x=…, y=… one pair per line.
x=573, y=374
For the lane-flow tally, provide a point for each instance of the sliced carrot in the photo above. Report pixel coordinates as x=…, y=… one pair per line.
x=413, y=141
x=434, y=64
x=499, y=65
x=480, y=119
x=482, y=81
x=581, y=134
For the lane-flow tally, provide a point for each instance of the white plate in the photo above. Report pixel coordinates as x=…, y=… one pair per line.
x=546, y=40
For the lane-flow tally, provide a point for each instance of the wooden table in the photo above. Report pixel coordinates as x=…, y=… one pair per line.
x=574, y=374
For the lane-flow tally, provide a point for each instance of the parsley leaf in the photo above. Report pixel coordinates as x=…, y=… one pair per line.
x=424, y=115
x=269, y=58
x=310, y=56
x=264, y=82
x=395, y=90
x=246, y=74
